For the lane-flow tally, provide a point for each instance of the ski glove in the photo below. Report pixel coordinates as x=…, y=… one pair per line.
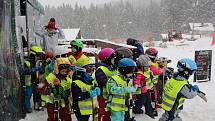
x=130, y=89
x=98, y=91
x=95, y=92
x=195, y=88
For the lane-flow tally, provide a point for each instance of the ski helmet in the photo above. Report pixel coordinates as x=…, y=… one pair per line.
x=187, y=65
x=35, y=50
x=105, y=54
x=60, y=50
x=123, y=53
x=87, y=62
x=151, y=52
x=77, y=44
x=61, y=63
x=144, y=61
x=126, y=66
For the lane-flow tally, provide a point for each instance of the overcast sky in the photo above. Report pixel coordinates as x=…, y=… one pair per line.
x=72, y=2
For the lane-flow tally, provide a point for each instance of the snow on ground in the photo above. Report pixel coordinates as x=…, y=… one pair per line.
x=195, y=109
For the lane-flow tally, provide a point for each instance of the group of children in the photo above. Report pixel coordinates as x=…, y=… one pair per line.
x=119, y=84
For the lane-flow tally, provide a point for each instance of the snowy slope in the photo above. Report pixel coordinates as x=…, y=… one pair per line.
x=195, y=109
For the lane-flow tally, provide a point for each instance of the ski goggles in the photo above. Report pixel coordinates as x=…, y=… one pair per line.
x=183, y=67
x=61, y=56
x=67, y=66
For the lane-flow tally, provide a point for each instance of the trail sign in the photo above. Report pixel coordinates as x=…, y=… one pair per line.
x=203, y=60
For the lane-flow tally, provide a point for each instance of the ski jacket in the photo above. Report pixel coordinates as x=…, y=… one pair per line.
x=50, y=39
x=156, y=71
x=47, y=96
x=117, y=101
x=78, y=60
x=143, y=81
x=102, y=74
x=81, y=97
x=170, y=94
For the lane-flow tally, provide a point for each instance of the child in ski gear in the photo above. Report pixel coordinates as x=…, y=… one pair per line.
x=36, y=56
x=162, y=62
x=50, y=35
x=76, y=56
x=156, y=71
x=118, y=89
x=102, y=74
x=59, y=52
x=177, y=89
x=144, y=84
x=83, y=91
x=57, y=87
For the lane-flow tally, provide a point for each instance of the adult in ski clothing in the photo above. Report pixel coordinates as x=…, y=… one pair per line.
x=144, y=84
x=177, y=89
x=76, y=56
x=118, y=89
x=57, y=86
x=139, y=50
x=156, y=71
x=50, y=35
x=31, y=72
x=103, y=73
x=83, y=91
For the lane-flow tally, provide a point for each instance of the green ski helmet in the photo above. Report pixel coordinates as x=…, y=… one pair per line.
x=77, y=44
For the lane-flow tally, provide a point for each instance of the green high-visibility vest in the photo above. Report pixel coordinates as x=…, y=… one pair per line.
x=118, y=101
x=66, y=84
x=85, y=106
x=108, y=74
x=171, y=90
x=28, y=77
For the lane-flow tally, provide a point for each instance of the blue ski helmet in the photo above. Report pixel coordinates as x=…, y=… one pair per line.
x=126, y=62
x=188, y=65
x=126, y=66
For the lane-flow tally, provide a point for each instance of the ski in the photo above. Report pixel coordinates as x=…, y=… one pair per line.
x=131, y=103
x=202, y=95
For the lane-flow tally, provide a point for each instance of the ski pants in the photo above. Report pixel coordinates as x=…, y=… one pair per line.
x=64, y=113
x=144, y=99
x=117, y=115
x=36, y=96
x=102, y=114
x=28, y=94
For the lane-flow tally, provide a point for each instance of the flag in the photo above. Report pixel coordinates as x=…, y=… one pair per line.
x=213, y=39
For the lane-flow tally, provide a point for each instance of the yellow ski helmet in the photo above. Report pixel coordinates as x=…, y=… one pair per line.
x=61, y=63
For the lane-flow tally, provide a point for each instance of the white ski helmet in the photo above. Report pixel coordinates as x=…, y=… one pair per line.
x=143, y=61
x=60, y=50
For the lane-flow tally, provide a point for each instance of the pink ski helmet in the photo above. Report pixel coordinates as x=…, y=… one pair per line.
x=105, y=53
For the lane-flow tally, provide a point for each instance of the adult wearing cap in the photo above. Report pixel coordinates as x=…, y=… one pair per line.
x=50, y=35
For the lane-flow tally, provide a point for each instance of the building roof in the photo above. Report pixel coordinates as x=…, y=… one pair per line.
x=205, y=28
x=71, y=34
